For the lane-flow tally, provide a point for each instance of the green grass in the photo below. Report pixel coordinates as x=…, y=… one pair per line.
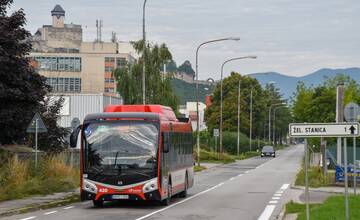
x=199, y=168
x=245, y=155
x=212, y=157
x=331, y=209
x=316, y=178
x=19, y=179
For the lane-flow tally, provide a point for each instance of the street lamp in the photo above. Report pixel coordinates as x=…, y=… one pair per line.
x=273, y=105
x=274, y=127
x=221, y=93
x=144, y=55
x=197, y=90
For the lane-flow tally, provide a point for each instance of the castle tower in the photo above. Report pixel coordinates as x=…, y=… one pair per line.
x=58, y=17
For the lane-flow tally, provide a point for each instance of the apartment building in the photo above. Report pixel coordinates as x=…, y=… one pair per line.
x=74, y=66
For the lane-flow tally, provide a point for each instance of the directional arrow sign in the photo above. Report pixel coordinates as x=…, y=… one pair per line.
x=324, y=129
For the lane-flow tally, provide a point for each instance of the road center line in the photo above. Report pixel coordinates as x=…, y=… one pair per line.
x=28, y=218
x=48, y=213
x=240, y=175
x=265, y=215
x=232, y=178
x=180, y=202
x=247, y=171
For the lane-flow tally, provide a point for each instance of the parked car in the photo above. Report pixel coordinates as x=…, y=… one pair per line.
x=268, y=151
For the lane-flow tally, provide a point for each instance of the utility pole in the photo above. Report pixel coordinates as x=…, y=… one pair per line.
x=144, y=57
x=238, y=121
x=251, y=106
x=339, y=118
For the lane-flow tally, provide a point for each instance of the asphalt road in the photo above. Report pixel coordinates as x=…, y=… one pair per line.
x=250, y=189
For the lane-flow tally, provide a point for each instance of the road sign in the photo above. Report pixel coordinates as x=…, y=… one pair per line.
x=41, y=128
x=350, y=129
x=216, y=132
x=351, y=112
x=75, y=123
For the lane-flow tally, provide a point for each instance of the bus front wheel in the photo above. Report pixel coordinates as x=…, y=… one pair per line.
x=183, y=194
x=166, y=201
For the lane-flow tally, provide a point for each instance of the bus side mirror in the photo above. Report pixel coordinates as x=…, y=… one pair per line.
x=166, y=143
x=74, y=136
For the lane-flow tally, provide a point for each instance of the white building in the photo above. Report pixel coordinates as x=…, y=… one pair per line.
x=189, y=110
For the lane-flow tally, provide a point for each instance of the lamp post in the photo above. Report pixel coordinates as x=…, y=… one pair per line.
x=221, y=93
x=144, y=56
x=274, y=127
x=273, y=105
x=238, y=121
x=197, y=90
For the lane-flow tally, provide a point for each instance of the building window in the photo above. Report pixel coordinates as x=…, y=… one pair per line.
x=109, y=80
x=120, y=62
x=66, y=64
x=109, y=69
x=109, y=90
x=109, y=59
x=64, y=84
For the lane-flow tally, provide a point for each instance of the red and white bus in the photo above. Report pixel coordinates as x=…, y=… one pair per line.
x=135, y=152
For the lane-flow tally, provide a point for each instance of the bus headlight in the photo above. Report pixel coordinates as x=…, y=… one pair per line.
x=89, y=186
x=150, y=186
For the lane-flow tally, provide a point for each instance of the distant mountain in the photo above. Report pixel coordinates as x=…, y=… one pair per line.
x=186, y=91
x=287, y=84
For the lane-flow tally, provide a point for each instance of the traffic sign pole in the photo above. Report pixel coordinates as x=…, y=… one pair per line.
x=307, y=180
x=354, y=165
x=36, y=143
x=346, y=181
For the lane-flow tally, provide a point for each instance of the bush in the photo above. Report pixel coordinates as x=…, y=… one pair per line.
x=316, y=177
x=20, y=179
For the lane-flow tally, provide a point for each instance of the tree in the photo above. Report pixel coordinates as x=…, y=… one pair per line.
x=186, y=68
x=22, y=90
x=158, y=88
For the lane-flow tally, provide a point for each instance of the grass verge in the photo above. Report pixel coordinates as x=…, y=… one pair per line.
x=332, y=208
x=19, y=179
x=316, y=178
x=199, y=168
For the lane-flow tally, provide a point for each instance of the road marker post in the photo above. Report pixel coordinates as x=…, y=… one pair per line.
x=341, y=130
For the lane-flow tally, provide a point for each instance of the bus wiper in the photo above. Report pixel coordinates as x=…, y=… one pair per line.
x=136, y=172
x=116, y=156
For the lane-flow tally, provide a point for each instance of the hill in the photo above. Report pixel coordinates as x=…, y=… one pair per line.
x=186, y=91
x=287, y=84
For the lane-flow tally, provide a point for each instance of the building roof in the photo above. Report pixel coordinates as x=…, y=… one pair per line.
x=58, y=10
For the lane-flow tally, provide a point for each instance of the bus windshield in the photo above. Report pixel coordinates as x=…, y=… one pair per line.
x=118, y=148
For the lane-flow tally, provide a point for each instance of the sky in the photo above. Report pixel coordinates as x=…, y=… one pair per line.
x=288, y=36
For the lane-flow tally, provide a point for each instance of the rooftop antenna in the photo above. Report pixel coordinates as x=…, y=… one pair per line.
x=99, y=25
x=113, y=37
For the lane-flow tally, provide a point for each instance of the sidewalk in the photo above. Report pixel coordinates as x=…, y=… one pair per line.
x=17, y=206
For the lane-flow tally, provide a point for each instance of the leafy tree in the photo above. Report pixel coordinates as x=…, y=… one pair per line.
x=158, y=88
x=186, y=68
x=261, y=100
x=22, y=90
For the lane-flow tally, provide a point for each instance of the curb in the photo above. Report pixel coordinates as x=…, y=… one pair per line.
x=35, y=207
x=281, y=216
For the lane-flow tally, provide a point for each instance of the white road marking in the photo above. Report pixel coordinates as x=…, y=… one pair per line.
x=280, y=192
x=180, y=202
x=28, y=218
x=48, y=213
x=265, y=215
x=273, y=202
x=247, y=171
x=232, y=178
x=260, y=166
x=275, y=198
x=69, y=207
x=285, y=186
x=277, y=194
x=240, y=174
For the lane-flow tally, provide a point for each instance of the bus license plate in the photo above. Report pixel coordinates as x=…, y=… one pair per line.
x=120, y=197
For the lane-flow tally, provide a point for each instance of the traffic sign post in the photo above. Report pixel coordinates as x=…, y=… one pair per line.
x=342, y=130
x=351, y=113
x=36, y=126
x=216, y=135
